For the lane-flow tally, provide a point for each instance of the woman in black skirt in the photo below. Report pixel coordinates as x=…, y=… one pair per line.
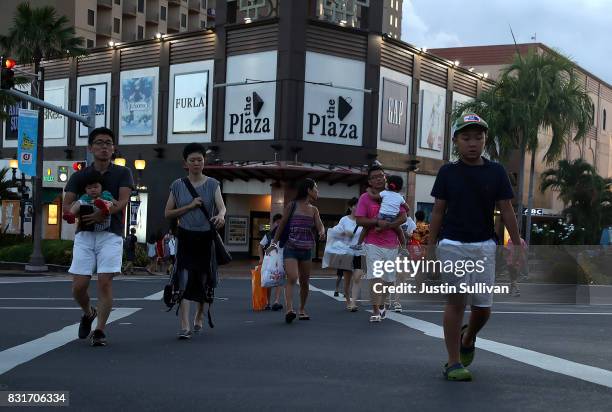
x=195, y=271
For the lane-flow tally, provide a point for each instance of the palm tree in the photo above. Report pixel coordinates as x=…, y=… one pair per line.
x=586, y=195
x=38, y=33
x=536, y=92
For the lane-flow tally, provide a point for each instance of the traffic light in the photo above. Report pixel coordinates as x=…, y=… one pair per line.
x=76, y=166
x=8, y=75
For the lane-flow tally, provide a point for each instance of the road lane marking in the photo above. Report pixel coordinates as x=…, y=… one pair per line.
x=17, y=355
x=539, y=360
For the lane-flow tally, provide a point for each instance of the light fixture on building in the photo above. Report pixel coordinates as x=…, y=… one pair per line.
x=471, y=69
x=111, y=44
x=424, y=49
x=247, y=20
x=14, y=164
x=159, y=36
x=120, y=161
x=343, y=22
x=140, y=163
x=485, y=75
x=456, y=62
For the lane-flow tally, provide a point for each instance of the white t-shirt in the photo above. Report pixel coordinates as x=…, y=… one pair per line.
x=345, y=229
x=391, y=202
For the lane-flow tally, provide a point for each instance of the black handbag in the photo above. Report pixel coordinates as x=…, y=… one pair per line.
x=222, y=255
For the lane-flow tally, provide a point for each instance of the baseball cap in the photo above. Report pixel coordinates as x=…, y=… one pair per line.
x=468, y=119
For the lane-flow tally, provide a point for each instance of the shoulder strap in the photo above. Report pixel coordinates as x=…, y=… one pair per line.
x=193, y=193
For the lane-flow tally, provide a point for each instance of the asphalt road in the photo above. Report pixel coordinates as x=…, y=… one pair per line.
x=529, y=357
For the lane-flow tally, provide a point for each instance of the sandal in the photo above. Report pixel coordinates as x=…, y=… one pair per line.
x=466, y=353
x=289, y=316
x=457, y=372
x=303, y=316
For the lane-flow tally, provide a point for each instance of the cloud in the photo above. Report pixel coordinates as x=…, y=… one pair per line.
x=578, y=28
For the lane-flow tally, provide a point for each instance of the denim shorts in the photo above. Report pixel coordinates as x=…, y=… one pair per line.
x=297, y=254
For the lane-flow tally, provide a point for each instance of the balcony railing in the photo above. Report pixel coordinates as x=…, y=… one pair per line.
x=246, y=11
x=106, y=3
x=348, y=13
x=104, y=29
x=152, y=16
x=129, y=9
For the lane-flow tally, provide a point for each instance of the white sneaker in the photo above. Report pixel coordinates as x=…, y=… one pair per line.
x=375, y=318
x=397, y=307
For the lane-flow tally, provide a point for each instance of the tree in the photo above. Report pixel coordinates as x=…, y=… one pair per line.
x=537, y=92
x=38, y=33
x=586, y=195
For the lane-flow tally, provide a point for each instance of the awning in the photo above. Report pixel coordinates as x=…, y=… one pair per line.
x=50, y=194
x=287, y=171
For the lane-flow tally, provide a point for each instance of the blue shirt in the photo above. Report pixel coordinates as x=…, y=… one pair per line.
x=470, y=193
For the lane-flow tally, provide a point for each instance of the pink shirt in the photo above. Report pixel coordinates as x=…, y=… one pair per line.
x=369, y=208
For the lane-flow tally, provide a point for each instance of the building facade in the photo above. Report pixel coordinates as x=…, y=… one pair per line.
x=596, y=148
x=102, y=21
x=277, y=98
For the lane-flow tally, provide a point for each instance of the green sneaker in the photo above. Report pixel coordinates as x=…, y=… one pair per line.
x=466, y=354
x=457, y=372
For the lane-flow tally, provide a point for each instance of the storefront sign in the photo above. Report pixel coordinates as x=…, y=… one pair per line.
x=333, y=114
x=100, y=105
x=137, y=106
x=394, y=117
x=10, y=216
x=190, y=105
x=432, y=120
x=28, y=136
x=237, y=230
x=55, y=123
x=134, y=205
x=250, y=107
x=12, y=122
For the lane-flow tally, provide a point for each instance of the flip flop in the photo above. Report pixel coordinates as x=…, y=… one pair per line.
x=289, y=316
x=303, y=316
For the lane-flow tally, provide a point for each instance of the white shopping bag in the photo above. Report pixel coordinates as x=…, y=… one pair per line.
x=338, y=254
x=272, y=270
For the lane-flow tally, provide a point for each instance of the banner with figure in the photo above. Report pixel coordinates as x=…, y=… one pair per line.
x=28, y=136
x=137, y=106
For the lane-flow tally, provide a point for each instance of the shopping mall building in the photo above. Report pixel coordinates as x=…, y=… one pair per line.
x=277, y=94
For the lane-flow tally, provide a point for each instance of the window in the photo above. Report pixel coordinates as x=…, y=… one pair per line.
x=396, y=22
x=90, y=17
x=118, y=2
x=52, y=215
x=202, y=24
x=397, y=5
x=604, y=119
x=391, y=3
x=140, y=32
x=140, y=6
x=183, y=20
x=90, y=43
x=203, y=4
x=390, y=20
x=162, y=13
x=117, y=25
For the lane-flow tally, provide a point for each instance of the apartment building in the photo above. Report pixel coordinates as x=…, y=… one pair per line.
x=102, y=21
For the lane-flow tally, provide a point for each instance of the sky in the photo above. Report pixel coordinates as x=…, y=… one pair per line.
x=580, y=29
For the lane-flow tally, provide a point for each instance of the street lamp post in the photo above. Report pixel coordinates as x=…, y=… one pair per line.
x=23, y=190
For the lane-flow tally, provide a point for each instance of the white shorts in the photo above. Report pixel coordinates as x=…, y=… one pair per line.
x=483, y=256
x=374, y=256
x=96, y=252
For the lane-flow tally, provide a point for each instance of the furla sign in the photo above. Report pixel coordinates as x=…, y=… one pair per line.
x=333, y=100
x=250, y=104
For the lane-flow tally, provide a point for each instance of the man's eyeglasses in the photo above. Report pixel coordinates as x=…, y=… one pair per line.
x=373, y=177
x=101, y=143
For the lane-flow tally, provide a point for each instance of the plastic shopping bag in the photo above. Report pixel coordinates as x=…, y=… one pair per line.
x=259, y=295
x=272, y=270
